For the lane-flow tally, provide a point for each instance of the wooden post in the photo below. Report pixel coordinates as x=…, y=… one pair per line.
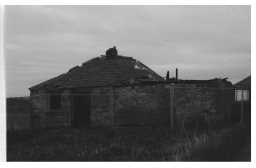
x=172, y=107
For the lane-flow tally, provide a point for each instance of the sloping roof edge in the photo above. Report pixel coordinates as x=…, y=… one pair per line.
x=55, y=82
x=246, y=82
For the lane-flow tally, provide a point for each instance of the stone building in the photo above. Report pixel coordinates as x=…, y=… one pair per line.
x=114, y=90
x=242, y=106
x=84, y=96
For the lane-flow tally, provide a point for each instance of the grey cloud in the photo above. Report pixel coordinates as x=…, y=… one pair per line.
x=203, y=41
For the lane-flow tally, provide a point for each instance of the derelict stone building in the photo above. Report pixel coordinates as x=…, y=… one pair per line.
x=114, y=90
x=85, y=94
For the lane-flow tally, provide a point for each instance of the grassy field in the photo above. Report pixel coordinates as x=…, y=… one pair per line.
x=227, y=144
x=123, y=144
x=92, y=145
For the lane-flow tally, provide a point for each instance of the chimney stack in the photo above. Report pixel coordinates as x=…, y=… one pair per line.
x=111, y=52
x=167, y=75
x=176, y=77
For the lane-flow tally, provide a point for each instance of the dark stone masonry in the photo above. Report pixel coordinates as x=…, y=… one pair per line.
x=114, y=90
x=142, y=105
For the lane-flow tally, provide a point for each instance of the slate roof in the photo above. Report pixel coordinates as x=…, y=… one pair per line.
x=102, y=71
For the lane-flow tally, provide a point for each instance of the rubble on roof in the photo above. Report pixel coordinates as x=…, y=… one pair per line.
x=101, y=71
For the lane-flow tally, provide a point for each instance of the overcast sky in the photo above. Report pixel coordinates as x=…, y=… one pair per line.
x=202, y=41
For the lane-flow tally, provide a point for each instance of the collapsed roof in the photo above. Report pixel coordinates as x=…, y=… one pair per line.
x=106, y=70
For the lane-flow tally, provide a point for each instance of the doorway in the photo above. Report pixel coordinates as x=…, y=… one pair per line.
x=81, y=117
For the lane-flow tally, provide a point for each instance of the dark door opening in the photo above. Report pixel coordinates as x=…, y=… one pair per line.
x=81, y=111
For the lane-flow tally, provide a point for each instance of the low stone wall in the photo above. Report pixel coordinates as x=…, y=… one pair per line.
x=18, y=113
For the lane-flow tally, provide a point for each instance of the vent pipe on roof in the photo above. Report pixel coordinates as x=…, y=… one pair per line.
x=167, y=75
x=176, y=76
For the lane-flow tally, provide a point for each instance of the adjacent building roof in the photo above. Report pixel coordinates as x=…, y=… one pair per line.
x=245, y=83
x=216, y=82
x=106, y=70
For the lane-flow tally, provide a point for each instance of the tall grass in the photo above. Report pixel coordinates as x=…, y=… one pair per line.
x=213, y=145
x=121, y=144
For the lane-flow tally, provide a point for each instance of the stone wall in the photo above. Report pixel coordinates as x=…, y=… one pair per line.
x=201, y=103
x=43, y=116
x=141, y=105
x=39, y=103
x=18, y=113
x=66, y=104
x=102, y=107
